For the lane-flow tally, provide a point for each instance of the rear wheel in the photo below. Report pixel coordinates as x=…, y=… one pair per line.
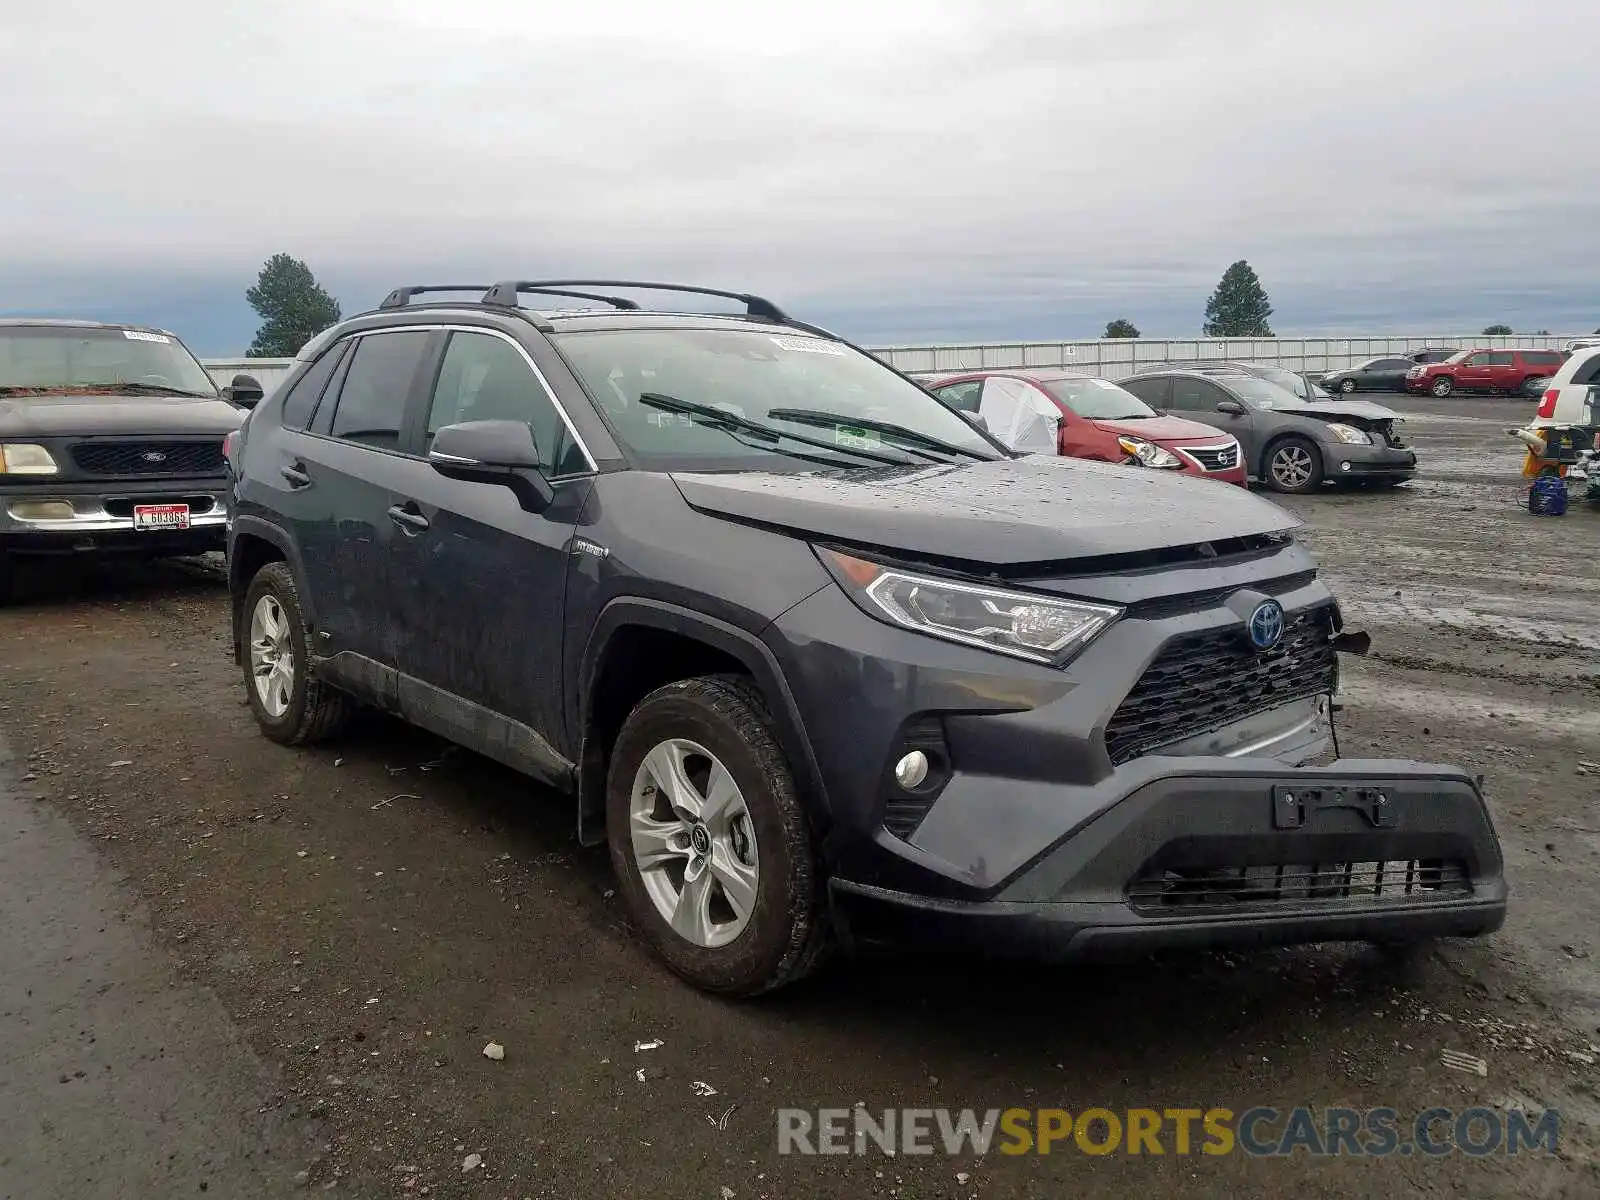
x=709, y=839
x=290, y=705
x=1443, y=386
x=1294, y=465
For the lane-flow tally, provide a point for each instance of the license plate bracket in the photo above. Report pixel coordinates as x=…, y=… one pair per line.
x=1293, y=804
x=149, y=518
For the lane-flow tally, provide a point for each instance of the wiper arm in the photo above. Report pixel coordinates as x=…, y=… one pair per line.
x=716, y=416
x=813, y=416
x=154, y=389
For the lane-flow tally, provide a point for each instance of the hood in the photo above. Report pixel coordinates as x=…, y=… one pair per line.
x=1332, y=410
x=83, y=416
x=1163, y=429
x=1011, y=511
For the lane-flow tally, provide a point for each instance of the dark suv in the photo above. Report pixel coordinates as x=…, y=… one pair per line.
x=818, y=658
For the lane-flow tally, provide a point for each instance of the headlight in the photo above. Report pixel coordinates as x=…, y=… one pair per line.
x=1040, y=628
x=24, y=458
x=1348, y=433
x=1150, y=454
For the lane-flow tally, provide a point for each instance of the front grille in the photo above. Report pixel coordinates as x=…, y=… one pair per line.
x=1204, y=681
x=1214, y=458
x=149, y=458
x=1163, y=891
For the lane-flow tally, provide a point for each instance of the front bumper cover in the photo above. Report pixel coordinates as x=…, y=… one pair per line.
x=1192, y=822
x=1347, y=459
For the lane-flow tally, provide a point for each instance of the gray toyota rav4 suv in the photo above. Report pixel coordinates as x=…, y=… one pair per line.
x=819, y=660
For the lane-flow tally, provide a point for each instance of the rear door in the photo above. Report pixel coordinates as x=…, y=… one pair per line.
x=342, y=472
x=478, y=582
x=1389, y=374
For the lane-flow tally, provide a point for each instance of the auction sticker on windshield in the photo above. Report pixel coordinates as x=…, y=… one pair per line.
x=856, y=439
x=139, y=335
x=808, y=346
x=160, y=516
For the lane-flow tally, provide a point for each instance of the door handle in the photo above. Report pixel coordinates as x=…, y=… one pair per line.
x=295, y=473
x=408, y=517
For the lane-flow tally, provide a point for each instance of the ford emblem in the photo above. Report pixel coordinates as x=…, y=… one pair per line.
x=154, y=456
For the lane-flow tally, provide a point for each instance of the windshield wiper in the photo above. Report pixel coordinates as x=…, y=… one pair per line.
x=812, y=416
x=98, y=389
x=716, y=416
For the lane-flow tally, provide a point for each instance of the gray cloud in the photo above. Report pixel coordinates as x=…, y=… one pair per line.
x=921, y=159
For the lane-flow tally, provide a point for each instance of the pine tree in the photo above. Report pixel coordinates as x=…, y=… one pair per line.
x=293, y=306
x=1239, y=307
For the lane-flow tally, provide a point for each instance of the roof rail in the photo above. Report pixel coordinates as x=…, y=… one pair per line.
x=401, y=297
x=505, y=293
x=614, y=301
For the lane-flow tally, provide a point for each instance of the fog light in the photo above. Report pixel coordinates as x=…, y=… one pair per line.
x=1344, y=466
x=42, y=510
x=912, y=770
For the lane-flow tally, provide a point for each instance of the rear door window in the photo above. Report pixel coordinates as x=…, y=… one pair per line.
x=301, y=400
x=1502, y=358
x=371, y=406
x=1153, y=392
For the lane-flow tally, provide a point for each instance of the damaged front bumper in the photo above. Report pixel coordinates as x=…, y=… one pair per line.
x=1202, y=853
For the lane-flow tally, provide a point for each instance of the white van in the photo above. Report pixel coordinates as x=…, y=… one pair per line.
x=1564, y=436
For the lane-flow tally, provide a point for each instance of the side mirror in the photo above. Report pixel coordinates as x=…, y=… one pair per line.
x=500, y=452
x=245, y=391
x=1232, y=407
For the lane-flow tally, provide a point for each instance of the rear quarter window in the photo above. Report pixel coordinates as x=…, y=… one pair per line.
x=1542, y=358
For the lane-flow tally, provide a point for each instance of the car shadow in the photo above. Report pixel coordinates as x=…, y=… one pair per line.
x=55, y=580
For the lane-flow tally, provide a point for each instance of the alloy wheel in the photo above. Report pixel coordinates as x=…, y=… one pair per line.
x=271, y=656
x=1292, y=467
x=694, y=843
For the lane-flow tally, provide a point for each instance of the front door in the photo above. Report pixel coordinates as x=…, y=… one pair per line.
x=479, y=582
x=1476, y=372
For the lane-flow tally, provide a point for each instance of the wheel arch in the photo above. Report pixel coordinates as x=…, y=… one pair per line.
x=252, y=544
x=638, y=645
x=1277, y=439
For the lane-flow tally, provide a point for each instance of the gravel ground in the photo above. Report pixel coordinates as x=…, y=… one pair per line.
x=348, y=927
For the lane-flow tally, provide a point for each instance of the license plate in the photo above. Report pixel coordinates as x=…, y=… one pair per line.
x=161, y=516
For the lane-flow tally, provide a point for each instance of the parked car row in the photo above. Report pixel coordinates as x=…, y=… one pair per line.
x=1443, y=372
x=1229, y=422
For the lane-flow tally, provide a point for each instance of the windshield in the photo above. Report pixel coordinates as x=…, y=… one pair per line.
x=1098, y=399
x=1260, y=394
x=63, y=359
x=1287, y=380
x=645, y=381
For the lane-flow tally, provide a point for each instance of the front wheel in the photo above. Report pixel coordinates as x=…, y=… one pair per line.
x=1443, y=386
x=1347, y=386
x=709, y=839
x=1294, y=465
x=1534, y=386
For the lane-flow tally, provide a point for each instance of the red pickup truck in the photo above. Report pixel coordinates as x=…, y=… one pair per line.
x=1523, y=372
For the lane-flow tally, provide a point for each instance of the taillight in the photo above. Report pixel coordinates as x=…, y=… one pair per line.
x=1547, y=406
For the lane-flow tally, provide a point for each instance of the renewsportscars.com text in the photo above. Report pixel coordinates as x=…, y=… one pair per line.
x=1259, y=1132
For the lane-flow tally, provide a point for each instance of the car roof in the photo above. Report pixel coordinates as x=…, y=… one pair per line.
x=72, y=323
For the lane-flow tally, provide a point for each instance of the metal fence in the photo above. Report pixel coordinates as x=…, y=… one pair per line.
x=1110, y=358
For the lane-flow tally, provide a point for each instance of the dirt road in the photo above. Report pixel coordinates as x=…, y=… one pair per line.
x=368, y=916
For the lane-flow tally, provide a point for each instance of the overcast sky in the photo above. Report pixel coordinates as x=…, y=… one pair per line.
x=936, y=171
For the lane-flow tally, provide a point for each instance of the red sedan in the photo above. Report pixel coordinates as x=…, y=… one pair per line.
x=1093, y=418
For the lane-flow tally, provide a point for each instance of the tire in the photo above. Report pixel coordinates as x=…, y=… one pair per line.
x=303, y=710
x=688, y=729
x=1533, y=387
x=1292, y=465
x=1347, y=386
x=1442, y=386
x=7, y=579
